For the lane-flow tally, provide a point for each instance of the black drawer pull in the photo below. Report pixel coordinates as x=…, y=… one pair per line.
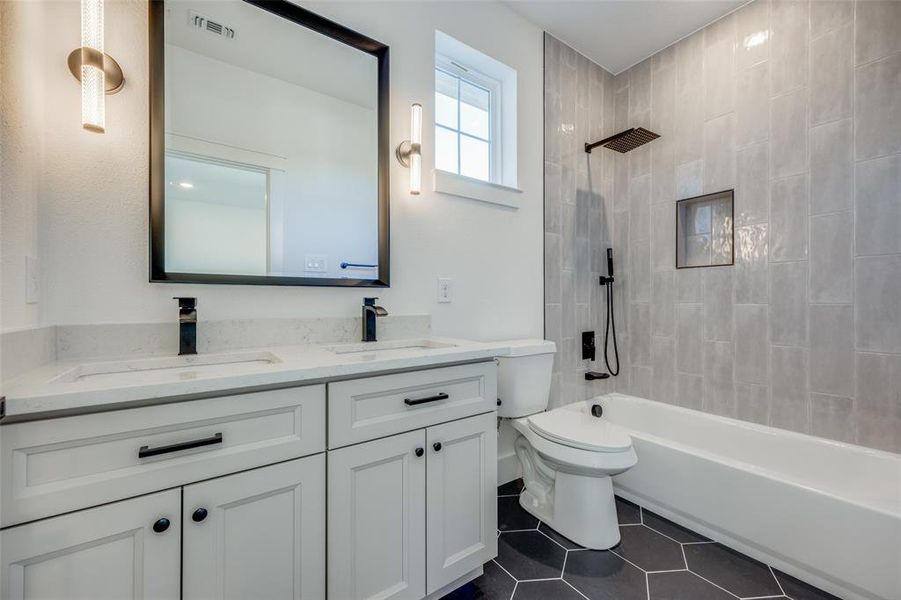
x=435, y=398
x=146, y=451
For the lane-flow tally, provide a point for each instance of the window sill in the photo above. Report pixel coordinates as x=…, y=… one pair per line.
x=475, y=189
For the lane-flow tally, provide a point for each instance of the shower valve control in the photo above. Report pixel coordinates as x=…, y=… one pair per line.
x=588, y=347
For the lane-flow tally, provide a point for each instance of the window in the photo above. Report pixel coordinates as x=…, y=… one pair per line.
x=466, y=123
x=475, y=123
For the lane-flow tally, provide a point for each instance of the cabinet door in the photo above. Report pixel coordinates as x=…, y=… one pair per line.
x=376, y=519
x=461, y=496
x=258, y=534
x=106, y=553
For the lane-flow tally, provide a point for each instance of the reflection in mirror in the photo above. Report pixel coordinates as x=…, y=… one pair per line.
x=271, y=146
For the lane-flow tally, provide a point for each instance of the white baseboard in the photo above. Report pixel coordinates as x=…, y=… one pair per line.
x=508, y=469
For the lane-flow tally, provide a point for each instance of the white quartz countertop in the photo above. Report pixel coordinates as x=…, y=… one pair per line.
x=70, y=387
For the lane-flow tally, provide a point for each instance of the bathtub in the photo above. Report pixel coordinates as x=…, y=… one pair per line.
x=825, y=512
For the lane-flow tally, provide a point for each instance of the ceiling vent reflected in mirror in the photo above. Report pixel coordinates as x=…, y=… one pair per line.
x=206, y=24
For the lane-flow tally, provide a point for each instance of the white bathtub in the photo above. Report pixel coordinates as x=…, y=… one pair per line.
x=826, y=512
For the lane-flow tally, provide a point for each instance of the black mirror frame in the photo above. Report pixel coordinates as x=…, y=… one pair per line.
x=157, y=79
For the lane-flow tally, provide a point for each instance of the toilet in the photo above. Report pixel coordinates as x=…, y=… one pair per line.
x=568, y=455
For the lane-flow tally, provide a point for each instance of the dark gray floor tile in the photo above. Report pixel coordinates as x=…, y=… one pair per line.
x=798, y=590
x=602, y=575
x=627, y=512
x=529, y=555
x=741, y=575
x=543, y=590
x=493, y=584
x=511, y=487
x=683, y=585
x=649, y=550
x=510, y=515
x=667, y=527
x=565, y=542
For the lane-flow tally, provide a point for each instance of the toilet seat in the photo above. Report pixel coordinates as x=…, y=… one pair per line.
x=577, y=429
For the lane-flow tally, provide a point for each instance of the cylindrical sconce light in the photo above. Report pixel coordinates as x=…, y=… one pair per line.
x=409, y=152
x=98, y=73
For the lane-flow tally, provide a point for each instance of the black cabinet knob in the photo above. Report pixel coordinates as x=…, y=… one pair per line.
x=199, y=515
x=161, y=525
x=437, y=446
x=419, y=452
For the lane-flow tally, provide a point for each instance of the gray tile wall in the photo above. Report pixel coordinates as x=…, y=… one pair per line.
x=578, y=213
x=796, y=105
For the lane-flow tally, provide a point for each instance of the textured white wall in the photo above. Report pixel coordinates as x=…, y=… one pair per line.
x=92, y=207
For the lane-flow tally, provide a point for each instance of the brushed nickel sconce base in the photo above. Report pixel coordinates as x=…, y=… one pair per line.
x=115, y=79
x=404, y=150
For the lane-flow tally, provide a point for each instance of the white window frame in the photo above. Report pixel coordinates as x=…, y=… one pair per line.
x=494, y=88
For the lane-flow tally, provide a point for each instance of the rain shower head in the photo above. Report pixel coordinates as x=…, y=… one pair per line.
x=625, y=140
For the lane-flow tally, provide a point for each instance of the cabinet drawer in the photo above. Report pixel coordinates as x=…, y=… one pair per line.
x=365, y=409
x=58, y=465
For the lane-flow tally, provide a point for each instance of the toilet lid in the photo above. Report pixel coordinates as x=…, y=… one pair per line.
x=580, y=430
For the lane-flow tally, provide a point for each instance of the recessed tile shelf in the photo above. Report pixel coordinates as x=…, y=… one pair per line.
x=704, y=231
x=656, y=559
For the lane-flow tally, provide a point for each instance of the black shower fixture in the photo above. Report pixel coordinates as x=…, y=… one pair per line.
x=625, y=140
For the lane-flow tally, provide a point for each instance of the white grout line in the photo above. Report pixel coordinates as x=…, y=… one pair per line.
x=779, y=583
x=515, y=585
x=763, y=597
x=685, y=570
x=555, y=541
x=517, y=530
x=627, y=560
x=575, y=589
x=697, y=543
x=501, y=567
x=666, y=536
x=633, y=525
x=684, y=557
x=713, y=584
x=540, y=579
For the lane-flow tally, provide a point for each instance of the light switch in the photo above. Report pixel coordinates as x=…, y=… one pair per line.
x=445, y=290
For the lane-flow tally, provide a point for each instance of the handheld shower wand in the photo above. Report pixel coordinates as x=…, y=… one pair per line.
x=611, y=322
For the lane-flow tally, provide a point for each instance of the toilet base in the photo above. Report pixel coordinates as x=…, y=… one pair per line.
x=579, y=508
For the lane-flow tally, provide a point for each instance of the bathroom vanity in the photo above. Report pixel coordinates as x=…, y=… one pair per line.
x=306, y=472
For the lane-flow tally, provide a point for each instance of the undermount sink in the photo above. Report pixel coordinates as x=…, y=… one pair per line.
x=365, y=347
x=185, y=365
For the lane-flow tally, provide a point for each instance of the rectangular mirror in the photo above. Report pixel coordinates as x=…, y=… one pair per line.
x=269, y=146
x=704, y=231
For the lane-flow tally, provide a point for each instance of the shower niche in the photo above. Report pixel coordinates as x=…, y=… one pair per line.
x=704, y=233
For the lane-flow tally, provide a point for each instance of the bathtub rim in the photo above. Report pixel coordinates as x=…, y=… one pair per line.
x=749, y=467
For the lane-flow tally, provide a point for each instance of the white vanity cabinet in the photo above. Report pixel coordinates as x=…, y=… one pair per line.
x=257, y=534
x=113, y=552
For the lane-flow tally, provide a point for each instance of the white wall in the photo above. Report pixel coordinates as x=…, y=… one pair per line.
x=93, y=214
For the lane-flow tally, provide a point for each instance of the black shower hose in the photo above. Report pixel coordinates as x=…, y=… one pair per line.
x=611, y=324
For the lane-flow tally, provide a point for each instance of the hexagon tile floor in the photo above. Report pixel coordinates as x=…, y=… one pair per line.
x=656, y=560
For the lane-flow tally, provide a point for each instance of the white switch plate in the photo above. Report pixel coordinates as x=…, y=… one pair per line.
x=317, y=263
x=445, y=290
x=32, y=280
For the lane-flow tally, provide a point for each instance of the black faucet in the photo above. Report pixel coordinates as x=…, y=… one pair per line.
x=370, y=312
x=187, y=325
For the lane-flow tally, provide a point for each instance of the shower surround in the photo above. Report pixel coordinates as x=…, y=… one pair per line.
x=789, y=103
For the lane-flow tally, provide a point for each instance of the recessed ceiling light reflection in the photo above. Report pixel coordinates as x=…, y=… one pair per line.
x=186, y=184
x=756, y=39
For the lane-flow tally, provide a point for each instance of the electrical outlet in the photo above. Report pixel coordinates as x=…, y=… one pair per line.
x=317, y=263
x=445, y=290
x=32, y=280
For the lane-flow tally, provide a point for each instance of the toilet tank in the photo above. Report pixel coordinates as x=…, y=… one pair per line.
x=524, y=377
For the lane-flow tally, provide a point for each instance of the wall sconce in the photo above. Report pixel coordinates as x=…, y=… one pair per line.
x=409, y=152
x=98, y=73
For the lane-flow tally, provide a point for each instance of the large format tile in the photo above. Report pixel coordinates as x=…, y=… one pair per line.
x=627, y=513
x=752, y=403
x=789, y=401
x=640, y=263
x=831, y=67
x=529, y=555
x=603, y=575
x=718, y=78
x=788, y=219
x=831, y=175
x=743, y=576
x=878, y=409
x=826, y=15
x=649, y=550
x=832, y=417
x=831, y=258
x=789, y=31
x=752, y=34
x=690, y=391
x=751, y=344
x=663, y=365
x=511, y=488
x=663, y=303
x=832, y=349
x=689, y=125
x=493, y=584
x=878, y=106
x=788, y=134
x=798, y=590
x=878, y=23
x=689, y=338
x=563, y=541
x=752, y=95
x=752, y=189
x=719, y=397
x=539, y=590
x=788, y=303
x=719, y=154
x=718, y=305
x=670, y=529
x=640, y=335
x=683, y=585
x=512, y=516
x=663, y=248
x=751, y=252
x=877, y=303
x=878, y=205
